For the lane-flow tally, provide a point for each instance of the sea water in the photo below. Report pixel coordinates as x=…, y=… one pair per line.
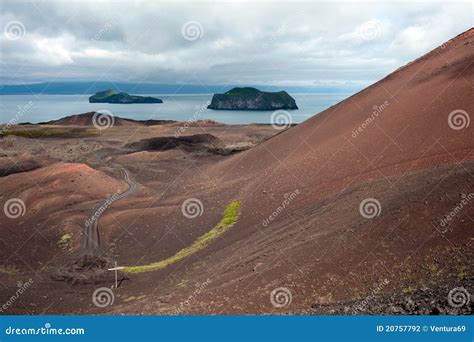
x=40, y=108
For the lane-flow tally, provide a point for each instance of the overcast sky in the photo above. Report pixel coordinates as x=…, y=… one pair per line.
x=279, y=43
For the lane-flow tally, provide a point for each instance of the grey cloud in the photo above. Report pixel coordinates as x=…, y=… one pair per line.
x=246, y=43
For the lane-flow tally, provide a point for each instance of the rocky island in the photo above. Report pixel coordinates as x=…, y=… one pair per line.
x=252, y=99
x=111, y=96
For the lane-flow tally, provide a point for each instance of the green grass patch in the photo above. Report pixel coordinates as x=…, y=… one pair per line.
x=48, y=132
x=8, y=270
x=231, y=214
x=64, y=242
x=132, y=298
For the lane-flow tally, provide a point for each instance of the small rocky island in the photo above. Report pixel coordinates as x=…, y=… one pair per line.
x=111, y=96
x=252, y=99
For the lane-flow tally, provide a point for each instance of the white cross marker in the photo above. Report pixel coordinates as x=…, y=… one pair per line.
x=116, y=268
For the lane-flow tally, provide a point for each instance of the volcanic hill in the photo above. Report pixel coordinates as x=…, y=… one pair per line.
x=344, y=213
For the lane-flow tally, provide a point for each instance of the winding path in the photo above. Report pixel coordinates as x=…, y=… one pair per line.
x=91, y=243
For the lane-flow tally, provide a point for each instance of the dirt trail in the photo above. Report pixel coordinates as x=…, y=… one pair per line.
x=91, y=243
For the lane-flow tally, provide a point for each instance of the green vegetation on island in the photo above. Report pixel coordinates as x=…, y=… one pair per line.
x=111, y=96
x=252, y=99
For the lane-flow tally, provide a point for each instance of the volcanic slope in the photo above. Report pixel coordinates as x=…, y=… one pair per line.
x=403, y=145
x=300, y=222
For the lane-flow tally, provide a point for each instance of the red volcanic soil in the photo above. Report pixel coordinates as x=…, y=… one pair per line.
x=87, y=119
x=375, y=139
x=57, y=200
x=405, y=155
x=403, y=144
x=410, y=131
x=22, y=162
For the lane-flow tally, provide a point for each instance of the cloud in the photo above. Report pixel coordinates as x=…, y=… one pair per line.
x=53, y=51
x=237, y=43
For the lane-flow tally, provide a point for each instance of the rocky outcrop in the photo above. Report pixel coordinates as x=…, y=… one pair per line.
x=111, y=96
x=252, y=99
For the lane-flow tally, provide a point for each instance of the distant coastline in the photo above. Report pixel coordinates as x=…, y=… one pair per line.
x=89, y=88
